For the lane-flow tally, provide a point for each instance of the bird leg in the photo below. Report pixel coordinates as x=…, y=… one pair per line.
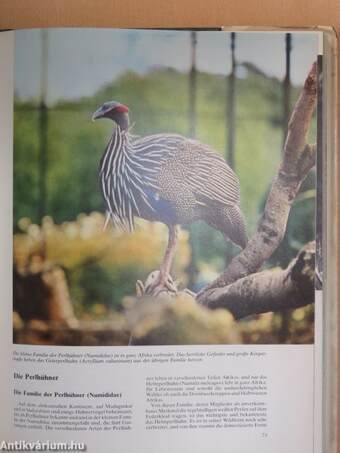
x=164, y=281
x=170, y=251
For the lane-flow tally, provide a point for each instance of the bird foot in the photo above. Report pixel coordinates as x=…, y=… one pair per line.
x=157, y=284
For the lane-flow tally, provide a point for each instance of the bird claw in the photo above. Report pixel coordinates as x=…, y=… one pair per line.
x=156, y=284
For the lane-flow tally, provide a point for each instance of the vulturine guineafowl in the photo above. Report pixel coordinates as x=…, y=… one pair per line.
x=167, y=178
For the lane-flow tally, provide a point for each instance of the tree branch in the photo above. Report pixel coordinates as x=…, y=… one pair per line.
x=270, y=290
x=298, y=159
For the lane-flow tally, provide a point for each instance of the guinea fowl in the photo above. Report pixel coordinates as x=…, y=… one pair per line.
x=167, y=178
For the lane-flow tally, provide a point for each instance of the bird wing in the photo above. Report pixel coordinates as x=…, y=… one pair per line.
x=151, y=154
x=209, y=176
x=170, y=162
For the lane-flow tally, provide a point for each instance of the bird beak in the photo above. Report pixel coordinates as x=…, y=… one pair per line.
x=98, y=114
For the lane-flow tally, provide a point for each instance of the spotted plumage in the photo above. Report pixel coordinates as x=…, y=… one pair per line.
x=167, y=178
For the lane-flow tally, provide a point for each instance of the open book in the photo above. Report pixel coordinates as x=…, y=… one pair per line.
x=168, y=272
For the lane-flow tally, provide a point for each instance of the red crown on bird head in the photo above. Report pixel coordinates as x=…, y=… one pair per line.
x=121, y=108
x=108, y=109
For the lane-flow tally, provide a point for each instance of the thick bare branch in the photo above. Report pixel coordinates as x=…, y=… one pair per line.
x=270, y=290
x=298, y=159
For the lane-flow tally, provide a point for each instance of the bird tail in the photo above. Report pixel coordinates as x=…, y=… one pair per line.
x=235, y=229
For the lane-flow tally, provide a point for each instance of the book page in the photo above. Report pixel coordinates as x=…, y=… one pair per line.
x=167, y=240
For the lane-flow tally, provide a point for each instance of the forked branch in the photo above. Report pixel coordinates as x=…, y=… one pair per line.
x=297, y=159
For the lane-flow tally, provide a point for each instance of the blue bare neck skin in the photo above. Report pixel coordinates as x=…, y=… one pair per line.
x=122, y=120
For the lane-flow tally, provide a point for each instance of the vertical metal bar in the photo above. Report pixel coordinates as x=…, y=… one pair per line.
x=43, y=128
x=192, y=87
x=287, y=86
x=231, y=105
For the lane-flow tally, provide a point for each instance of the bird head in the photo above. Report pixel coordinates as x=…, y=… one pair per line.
x=115, y=111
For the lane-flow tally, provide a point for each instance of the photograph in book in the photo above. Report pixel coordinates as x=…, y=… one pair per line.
x=165, y=187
